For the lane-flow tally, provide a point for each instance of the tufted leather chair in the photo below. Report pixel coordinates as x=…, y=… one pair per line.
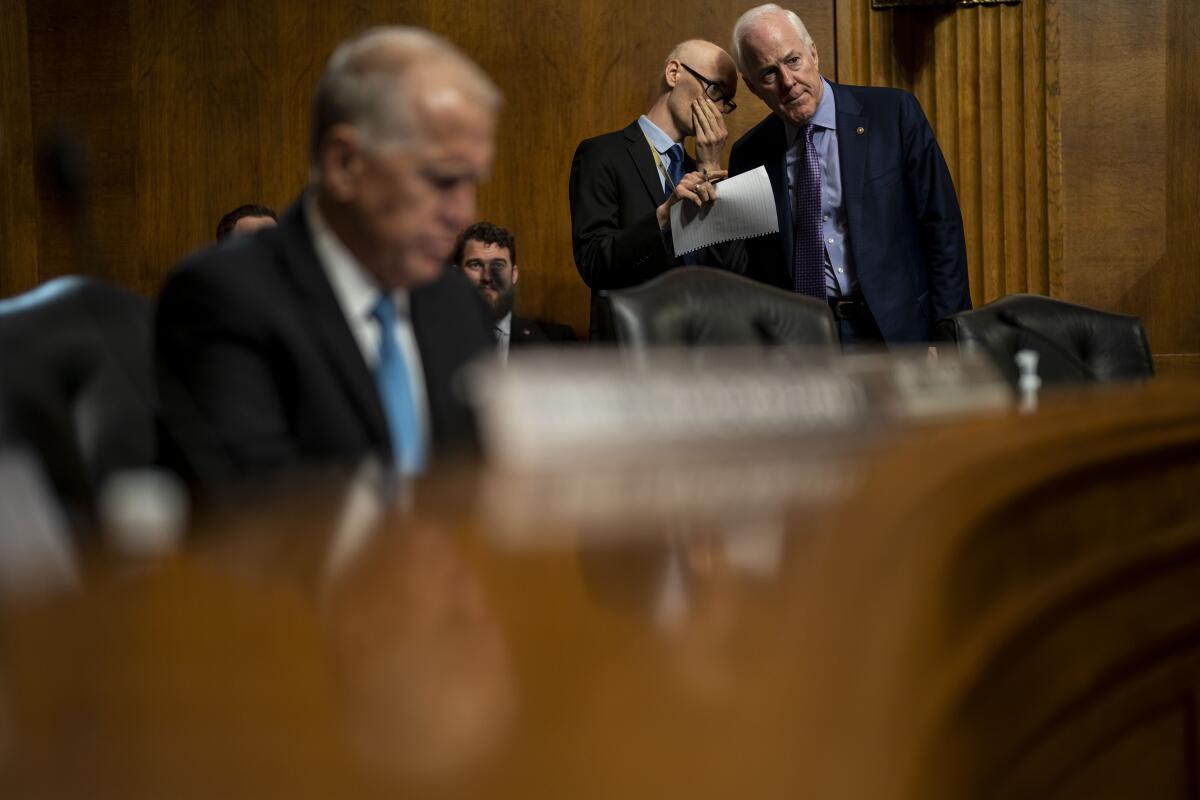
x=699, y=306
x=76, y=386
x=1075, y=344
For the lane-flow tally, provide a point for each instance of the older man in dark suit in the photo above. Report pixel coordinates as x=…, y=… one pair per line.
x=623, y=183
x=337, y=335
x=868, y=217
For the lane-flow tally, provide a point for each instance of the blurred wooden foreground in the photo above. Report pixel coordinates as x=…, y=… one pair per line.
x=1003, y=606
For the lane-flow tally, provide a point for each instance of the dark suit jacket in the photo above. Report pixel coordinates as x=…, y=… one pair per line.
x=615, y=187
x=904, y=225
x=258, y=370
x=524, y=331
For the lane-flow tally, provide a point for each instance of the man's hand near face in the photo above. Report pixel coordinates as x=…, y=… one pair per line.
x=711, y=134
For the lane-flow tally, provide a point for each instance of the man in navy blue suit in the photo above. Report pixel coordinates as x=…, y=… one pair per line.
x=868, y=217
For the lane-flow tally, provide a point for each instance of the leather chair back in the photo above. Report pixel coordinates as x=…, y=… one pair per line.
x=1075, y=344
x=700, y=306
x=76, y=385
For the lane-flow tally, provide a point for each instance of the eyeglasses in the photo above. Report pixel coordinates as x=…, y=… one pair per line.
x=713, y=90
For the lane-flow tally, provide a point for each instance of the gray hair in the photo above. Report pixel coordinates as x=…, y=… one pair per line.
x=754, y=15
x=369, y=82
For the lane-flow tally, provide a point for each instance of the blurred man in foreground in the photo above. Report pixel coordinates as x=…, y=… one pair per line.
x=487, y=255
x=868, y=217
x=337, y=336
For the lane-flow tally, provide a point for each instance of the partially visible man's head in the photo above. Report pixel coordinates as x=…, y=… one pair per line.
x=778, y=61
x=403, y=129
x=245, y=219
x=693, y=69
x=487, y=255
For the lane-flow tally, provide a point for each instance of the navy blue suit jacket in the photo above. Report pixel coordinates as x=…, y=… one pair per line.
x=903, y=222
x=259, y=374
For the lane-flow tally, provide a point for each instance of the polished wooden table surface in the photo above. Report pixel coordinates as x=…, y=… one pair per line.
x=509, y=636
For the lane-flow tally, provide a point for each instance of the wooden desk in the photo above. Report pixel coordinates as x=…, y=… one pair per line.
x=864, y=639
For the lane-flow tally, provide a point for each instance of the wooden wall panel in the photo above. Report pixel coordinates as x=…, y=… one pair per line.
x=1072, y=128
x=79, y=77
x=1084, y=188
x=986, y=78
x=1131, y=164
x=18, y=202
x=192, y=107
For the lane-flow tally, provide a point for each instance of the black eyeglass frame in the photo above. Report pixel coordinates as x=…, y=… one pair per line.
x=727, y=105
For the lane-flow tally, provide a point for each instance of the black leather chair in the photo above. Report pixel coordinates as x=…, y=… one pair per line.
x=76, y=386
x=699, y=306
x=1075, y=344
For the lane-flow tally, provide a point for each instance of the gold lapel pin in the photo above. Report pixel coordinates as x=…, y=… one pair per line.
x=861, y=130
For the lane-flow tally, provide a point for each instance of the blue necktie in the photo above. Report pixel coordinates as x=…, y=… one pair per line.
x=675, y=173
x=808, y=246
x=675, y=166
x=396, y=393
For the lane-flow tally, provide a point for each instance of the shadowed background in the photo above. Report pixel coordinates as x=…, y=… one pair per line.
x=1071, y=127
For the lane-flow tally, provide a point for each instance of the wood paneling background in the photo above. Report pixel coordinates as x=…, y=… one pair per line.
x=1070, y=126
x=18, y=206
x=192, y=107
x=1131, y=166
x=985, y=78
x=1072, y=129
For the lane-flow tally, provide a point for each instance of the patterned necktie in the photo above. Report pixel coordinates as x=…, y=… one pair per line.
x=396, y=393
x=808, y=249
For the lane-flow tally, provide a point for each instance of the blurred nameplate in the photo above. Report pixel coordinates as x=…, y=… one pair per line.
x=558, y=409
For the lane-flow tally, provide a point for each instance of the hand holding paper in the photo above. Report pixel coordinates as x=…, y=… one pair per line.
x=746, y=209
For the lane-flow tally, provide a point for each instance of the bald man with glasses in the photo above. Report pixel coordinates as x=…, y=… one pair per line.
x=624, y=183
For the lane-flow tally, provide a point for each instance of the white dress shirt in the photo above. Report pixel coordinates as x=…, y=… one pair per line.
x=357, y=293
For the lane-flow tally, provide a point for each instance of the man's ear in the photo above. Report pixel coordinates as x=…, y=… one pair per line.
x=816, y=62
x=671, y=73
x=340, y=158
x=516, y=274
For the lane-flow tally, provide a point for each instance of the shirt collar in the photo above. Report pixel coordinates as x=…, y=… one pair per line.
x=658, y=140
x=504, y=324
x=824, y=117
x=355, y=288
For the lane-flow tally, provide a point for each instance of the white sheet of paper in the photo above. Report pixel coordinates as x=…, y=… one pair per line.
x=745, y=208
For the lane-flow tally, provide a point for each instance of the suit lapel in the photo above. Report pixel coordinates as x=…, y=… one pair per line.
x=776, y=166
x=325, y=315
x=647, y=169
x=852, y=153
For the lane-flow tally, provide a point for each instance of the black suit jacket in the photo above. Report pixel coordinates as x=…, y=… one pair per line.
x=615, y=188
x=904, y=225
x=259, y=372
x=524, y=331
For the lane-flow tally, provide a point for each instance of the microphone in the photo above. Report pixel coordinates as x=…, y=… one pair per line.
x=1010, y=319
x=64, y=163
x=65, y=169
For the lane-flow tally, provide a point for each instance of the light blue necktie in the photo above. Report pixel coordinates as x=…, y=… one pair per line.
x=396, y=393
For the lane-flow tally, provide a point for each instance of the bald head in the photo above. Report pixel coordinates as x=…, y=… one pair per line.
x=706, y=58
